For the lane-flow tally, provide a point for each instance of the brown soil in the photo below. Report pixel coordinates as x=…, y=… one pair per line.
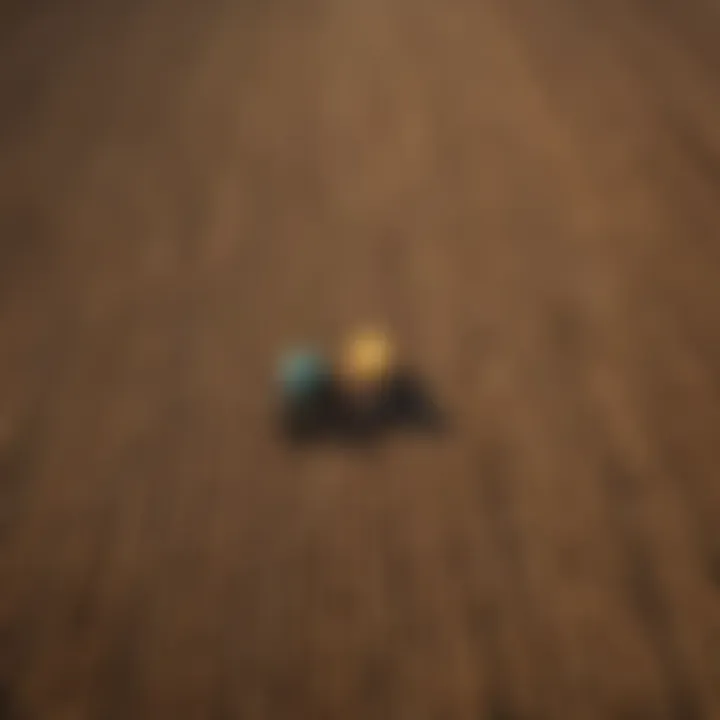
x=527, y=192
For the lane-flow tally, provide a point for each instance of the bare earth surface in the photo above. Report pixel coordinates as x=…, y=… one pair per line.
x=527, y=192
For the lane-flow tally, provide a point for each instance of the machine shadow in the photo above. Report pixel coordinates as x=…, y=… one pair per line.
x=406, y=406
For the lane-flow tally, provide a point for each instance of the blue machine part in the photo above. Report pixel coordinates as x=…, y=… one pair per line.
x=302, y=374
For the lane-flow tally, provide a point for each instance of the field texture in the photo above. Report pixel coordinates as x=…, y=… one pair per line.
x=527, y=193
